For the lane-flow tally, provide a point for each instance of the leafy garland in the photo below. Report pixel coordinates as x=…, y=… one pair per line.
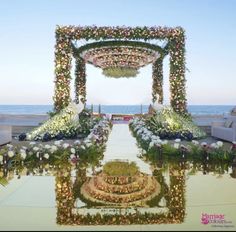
x=176, y=49
x=177, y=74
x=95, y=48
x=157, y=77
x=118, y=72
x=80, y=79
x=63, y=60
x=126, y=43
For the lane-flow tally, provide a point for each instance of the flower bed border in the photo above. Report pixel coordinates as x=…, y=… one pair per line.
x=193, y=151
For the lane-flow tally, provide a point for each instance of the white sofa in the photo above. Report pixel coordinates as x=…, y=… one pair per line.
x=5, y=134
x=218, y=130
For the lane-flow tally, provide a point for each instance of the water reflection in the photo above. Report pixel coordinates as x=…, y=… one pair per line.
x=169, y=206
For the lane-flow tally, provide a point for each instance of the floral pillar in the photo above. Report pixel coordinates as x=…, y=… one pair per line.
x=177, y=72
x=176, y=50
x=157, y=84
x=177, y=194
x=63, y=57
x=64, y=196
x=80, y=79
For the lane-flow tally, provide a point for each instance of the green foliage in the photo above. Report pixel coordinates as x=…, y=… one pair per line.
x=118, y=72
x=116, y=43
x=3, y=181
x=175, y=47
x=120, y=168
x=164, y=191
x=171, y=122
x=52, y=113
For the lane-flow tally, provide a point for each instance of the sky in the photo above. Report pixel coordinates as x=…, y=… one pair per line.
x=27, y=40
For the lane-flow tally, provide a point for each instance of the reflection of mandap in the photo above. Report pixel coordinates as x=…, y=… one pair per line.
x=173, y=211
x=139, y=190
x=233, y=174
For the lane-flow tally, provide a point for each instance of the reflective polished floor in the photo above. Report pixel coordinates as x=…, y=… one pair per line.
x=191, y=191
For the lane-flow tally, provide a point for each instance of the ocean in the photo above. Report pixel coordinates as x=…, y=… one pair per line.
x=115, y=109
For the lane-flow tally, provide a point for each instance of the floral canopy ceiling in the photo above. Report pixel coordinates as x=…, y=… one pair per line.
x=119, y=58
x=126, y=61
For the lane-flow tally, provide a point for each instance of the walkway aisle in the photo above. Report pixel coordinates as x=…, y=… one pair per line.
x=122, y=145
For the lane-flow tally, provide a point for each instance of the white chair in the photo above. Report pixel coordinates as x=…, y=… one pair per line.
x=5, y=134
x=219, y=130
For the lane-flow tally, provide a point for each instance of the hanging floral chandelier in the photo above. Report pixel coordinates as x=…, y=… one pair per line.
x=119, y=58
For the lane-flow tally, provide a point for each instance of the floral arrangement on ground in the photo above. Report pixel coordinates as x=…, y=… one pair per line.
x=168, y=124
x=152, y=144
x=37, y=153
x=65, y=124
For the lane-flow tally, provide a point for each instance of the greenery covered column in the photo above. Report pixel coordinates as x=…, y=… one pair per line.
x=63, y=57
x=177, y=72
x=64, y=195
x=157, y=84
x=80, y=79
x=177, y=193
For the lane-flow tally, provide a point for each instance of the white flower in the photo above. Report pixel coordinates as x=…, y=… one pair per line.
x=176, y=145
x=37, y=154
x=203, y=144
x=90, y=136
x=9, y=145
x=65, y=145
x=72, y=156
x=158, y=144
x=28, y=137
x=164, y=142
x=195, y=142
x=23, y=155
x=46, y=156
x=178, y=140
x=1, y=159
x=32, y=143
x=154, y=137
x=83, y=147
x=23, y=147
x=219, y=143
x=144, y=152
x=151, y=144
x=88, y=144
x=35, y=148
x=58, y=143
x=77, y=142
x=47, y=146
x=53, y=148
x=22, y=151
x=213, y=145
x=10, y=154
x=72, y=150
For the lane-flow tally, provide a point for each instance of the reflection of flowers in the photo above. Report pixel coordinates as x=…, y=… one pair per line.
x=10, y=154
x=66, y=215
